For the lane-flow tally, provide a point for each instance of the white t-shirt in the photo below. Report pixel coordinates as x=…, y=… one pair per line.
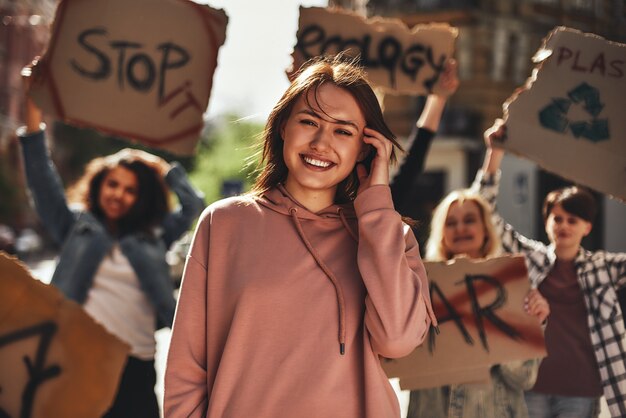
x=117, y=301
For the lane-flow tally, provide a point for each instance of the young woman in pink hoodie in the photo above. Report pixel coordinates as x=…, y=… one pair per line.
x=292, y=292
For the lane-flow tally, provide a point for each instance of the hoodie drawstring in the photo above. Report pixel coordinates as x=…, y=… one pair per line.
x=340, y=299
x=345, y=224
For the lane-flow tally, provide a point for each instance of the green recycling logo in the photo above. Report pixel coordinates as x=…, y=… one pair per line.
x=554, y=115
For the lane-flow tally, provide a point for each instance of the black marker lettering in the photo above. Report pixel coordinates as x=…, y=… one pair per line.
x=167, y=64
x=453, y=315
x=149, y=72
x=104, y=68
x=121, y=58
x=488, y=311
x=311, y=36
x=389, y=55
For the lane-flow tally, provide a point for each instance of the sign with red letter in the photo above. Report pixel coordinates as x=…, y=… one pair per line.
x=482, y=322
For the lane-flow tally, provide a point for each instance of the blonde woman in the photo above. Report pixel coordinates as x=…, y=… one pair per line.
x=461, y=227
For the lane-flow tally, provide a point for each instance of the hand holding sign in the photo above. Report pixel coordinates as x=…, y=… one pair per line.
x=479, y=305
x=537, y=306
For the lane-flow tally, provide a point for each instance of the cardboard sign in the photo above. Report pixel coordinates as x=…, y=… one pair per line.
x=396, y=58
x=55, y=360
x=569, y=117
x=479, y=305
x=137, y=69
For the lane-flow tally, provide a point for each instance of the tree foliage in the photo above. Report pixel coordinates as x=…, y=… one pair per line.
x=227, y=152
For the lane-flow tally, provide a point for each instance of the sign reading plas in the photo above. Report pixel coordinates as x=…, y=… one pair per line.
x=569, y=117
x=138, y=69
x=397, y=59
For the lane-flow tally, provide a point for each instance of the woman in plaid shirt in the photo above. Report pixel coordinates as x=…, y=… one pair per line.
x=585, y=330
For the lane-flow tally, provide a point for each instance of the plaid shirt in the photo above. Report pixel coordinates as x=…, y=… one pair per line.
x=599, y=273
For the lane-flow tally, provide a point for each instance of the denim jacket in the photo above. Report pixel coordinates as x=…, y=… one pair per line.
x=503, y=397
x=85, y=241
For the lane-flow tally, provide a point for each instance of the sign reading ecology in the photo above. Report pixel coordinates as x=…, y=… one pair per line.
x=482, y=322
x=138, y=69
x=397, y=59
x=569, y=117
x=55, y=360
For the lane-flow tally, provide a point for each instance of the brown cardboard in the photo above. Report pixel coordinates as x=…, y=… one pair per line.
x=569, y=117
x=137, y=69
x=38, y=326
x=454, y=360
x=479, y=376
x=397, y=59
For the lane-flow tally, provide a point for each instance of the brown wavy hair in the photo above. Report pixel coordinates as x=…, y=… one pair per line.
x=342, y=72
x=573, y=199
x=152, y=203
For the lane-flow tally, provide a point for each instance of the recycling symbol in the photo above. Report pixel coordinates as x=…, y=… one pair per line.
x=554, y=115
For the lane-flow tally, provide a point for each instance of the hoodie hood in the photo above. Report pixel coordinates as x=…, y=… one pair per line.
x=279, y=200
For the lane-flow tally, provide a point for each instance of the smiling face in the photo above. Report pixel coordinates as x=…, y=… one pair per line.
x=322, y=144
x=464, y=231
x=566, y=231
x=118, y=193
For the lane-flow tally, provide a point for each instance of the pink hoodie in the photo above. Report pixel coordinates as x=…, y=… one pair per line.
x=272, y=294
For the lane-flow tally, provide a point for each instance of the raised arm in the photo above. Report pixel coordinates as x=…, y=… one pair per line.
x=191, y=204
x=422, y=135
x=487, y=183
x=42, y=177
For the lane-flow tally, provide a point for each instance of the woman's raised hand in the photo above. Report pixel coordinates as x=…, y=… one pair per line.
x=34, y=116
x=536, y=305
x=496, y=134
x=448, y=82
x=157, y=163
x=379, y=170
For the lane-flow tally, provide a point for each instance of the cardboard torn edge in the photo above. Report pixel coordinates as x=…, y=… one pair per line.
x=377, y=24
x=540, y=58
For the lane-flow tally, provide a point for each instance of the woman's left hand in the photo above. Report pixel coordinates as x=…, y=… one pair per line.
x=379, y=171
x=536, y=305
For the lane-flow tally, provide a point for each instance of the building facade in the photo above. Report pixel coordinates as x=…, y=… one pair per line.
x=497, y=39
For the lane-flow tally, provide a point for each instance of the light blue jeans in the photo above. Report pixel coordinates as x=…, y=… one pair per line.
x=552, y=406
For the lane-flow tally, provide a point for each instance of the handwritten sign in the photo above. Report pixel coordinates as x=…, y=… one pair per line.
x=55, y=360
x=569, y=117
x=479, y=305
x=138, y=69
x=396, y=58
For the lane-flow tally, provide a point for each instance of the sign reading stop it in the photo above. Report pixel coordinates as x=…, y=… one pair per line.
x=138, y=69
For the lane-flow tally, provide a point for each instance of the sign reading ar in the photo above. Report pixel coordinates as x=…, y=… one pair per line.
x=137, y=69
x=479, y=305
